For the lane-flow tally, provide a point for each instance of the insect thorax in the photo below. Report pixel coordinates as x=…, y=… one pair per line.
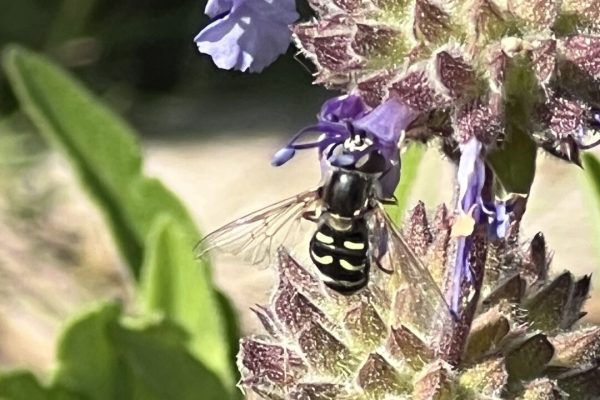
x=347, y=193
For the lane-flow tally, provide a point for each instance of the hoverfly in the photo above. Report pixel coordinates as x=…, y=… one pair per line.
x=353, y=232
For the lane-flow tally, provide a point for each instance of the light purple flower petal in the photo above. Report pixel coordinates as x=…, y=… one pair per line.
x=471, y=179
x=251, y=36
x=471, y=175
x=343, y=108
x=387, y=121
x=385, y=125
x=282, y=156
x=498, y=218
x=217, y=7
x=500, y=221
x=334, y=118
x=219, y=40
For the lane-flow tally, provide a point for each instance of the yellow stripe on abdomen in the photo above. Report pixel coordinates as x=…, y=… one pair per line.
x=349, y=267
x=321, y=237
x=325, y=260
x=354, y=245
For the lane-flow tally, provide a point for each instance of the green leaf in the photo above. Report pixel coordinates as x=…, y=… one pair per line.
x=411, y=160
x=232, y=336
x=104, y=154
x=172, y=281
x=100, y=147
x=591, y=169
x=23, y=385
x=103, y=357
x=160, y=362
x=514, y=163
x=149, y=199
x=87, y=360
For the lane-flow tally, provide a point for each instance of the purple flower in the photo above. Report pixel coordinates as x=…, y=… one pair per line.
x=342, y=108
x=214, y=8
x=498, y=220
x=471, y=180
x=344, y=117
x=471, y=177
x=334, y=123
x=247, y=34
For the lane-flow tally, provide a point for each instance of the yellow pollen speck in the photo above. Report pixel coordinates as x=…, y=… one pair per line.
x=464, y=224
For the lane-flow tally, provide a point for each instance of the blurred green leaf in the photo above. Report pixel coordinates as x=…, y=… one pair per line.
x=23, y=385
x=411, y=160
x=103, y=152
x=87, y=360
x=103, y=357
x=514, y=162
x=165, y=367
x=172, y=281
x=591, y=169
x=148, y=199
x=100, y=146
x=232, y=334
x=70, y=20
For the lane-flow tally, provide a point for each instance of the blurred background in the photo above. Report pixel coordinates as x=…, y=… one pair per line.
x=207, y=133
x=140, y=57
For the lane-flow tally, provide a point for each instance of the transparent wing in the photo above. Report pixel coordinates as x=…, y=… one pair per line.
x=252, y=237
x=422, y=303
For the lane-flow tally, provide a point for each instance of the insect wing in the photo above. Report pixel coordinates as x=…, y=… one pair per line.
x=252, y=237
x=424, y=305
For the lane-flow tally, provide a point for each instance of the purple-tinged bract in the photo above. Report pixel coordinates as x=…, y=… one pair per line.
x=462, y=60
x=519, y=342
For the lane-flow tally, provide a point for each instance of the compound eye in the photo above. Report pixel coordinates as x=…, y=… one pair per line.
x=370, y=163
x=339, y=157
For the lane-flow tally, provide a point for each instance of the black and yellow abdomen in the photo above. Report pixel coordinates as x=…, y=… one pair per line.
x=341, y=256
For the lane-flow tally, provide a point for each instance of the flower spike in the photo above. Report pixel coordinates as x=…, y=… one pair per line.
x=519, y=342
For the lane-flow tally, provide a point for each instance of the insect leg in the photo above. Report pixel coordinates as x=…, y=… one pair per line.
x=393, y=201
x=380, y=248
x=311, y=216
x=382, y=268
